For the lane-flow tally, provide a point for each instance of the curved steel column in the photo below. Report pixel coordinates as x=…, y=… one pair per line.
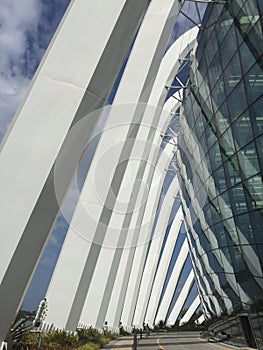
x=169, y=67
x=118, y=294
x=181, y=299
x=163, y=266
x=69, y=84
x=136, y=269
x=171, y=286
x=153, y=50
x=146, y=73
x=190, y=311
x=153, y=254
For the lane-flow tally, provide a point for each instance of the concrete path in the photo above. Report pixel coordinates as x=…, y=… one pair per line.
x=169, y=341
x=180, y=341
x=124, y=343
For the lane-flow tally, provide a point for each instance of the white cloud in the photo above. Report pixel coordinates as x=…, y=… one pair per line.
x=18, y=35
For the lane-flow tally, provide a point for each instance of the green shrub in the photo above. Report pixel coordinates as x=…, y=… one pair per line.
x=87, y=339
x=103, y=340
x=59, y=338
x=89, y=346
x=30, y=337
x=89, y=335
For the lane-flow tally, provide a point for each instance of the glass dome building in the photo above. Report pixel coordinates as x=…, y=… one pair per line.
x=221, y=160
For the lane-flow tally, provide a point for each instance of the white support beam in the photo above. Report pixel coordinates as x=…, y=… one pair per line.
x=165, y=72
x=181, y=300
x=74, y=79
x=136, y=268
x=172, y=283
x=191, y=310
x=121, y=234
x=116, y=303
x=169, y=67
x=135, y=87
x=200, y=320
x=150, y=43
x=162, y=270
x=3, y=345
x=154, y=253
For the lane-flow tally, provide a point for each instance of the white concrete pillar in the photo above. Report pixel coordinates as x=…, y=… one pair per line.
x=74, y=79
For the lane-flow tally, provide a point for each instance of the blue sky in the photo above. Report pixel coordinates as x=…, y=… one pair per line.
x=26, y=28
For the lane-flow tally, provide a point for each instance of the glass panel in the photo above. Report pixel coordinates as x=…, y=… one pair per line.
x=238, y=199
x=215, y=156
x=222, y=116
x=232, y=170
x=236, y=6
x=226, y=21
x=198, y=78
x=255, y=188
x=248, y=160
x=254, y=83
x=204, y=242
x=208, y=216
x=247, y=58
x=237, y=101
x=199, y=127
x=228, y=128
x=203, y=144
x=218, y=92
x=220, y=180
x=227, y=143
x=203, y=93
x=215, y=70
x=226, y=258
x=244, y=225
x=212, y=262
x=260, y=6
x=211, y=189
x=242, y=130
x=248, y=17
x=233, y=73
x=231, y=232
x=211, y=48
x=237, y=260
x=259, y=142
x=228, y=48
x=249, y=285
x=208, y=107
x=215, y=211
x=202, y=68
x=210, y=136
x=220, y=234
x=256, y=218
x=225, y=205
x=256, y=116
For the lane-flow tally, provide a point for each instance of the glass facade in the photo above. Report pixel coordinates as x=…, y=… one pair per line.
x=221, y=158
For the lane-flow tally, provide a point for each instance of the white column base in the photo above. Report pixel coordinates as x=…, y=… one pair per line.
x=3, y=345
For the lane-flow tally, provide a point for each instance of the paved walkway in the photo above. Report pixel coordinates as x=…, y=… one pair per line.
x=124, y=343
x=170, y=341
